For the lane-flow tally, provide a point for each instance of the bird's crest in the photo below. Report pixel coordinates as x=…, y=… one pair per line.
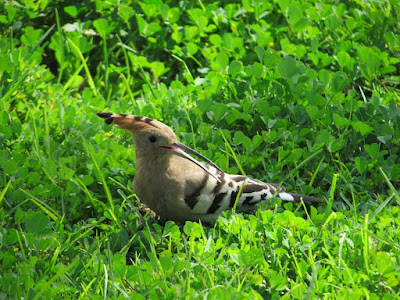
x=130, y=122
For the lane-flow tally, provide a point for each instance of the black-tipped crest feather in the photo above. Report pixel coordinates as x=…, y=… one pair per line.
x=107, y=117
x=104, y=115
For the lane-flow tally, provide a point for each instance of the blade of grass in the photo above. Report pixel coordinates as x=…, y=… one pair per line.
x=105, y=281
x=316, y=171
x=312, y=281
x=328, y=208
x=36, y=149
x=126, y=57
x=348, y=271
x=381, y=207
x=43, y=206
x=106, y=65
x=117, y=287
x=330, y=260
x=385, y=238
x=233, y=154
x=54, y=258
x=188, y=254
x=72, y=78
x=61, y=271
x=14, y=86
x=341, y=242
x=147, y=81
x=153, y=253
x=125, y=248
x=47, y=131
x=191, y=129
x=297, y=268
x=86, y=289
x=118, y=183
x=306, y=211
x=21, y=246
x=103, y=180
x=61, y=46
x=365, y=240
x=191, y=80
x=237, y=197
x=4, y=191
x=297, y=175
x=347, y=177
x=85, y=66
x=392, y=188
x=95, y=202
x=88, y=230
x=290, y=174
x=128, y=87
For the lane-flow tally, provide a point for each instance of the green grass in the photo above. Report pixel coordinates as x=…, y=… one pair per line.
x=303, y=93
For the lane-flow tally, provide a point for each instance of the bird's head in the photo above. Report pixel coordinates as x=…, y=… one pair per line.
x=152, y=136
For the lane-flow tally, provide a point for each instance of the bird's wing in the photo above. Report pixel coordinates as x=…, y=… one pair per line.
x=213, y=197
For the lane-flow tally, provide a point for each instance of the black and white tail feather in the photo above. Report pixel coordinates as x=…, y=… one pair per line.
x=215, y=196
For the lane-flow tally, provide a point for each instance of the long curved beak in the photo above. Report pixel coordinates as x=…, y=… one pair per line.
x=181, y=149
x=191, y=151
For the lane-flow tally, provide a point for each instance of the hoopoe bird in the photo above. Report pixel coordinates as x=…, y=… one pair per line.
x=178, y=187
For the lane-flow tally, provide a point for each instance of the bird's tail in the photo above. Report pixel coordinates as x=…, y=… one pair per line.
x=297, y=197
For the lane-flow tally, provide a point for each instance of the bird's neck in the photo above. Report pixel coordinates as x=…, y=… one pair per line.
x=151, y=161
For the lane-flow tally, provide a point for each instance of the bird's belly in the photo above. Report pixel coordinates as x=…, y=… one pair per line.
x=161, y=193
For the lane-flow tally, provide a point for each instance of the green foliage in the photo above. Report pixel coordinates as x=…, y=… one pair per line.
x=304, y=92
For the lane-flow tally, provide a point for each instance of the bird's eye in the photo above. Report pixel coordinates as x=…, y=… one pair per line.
x=152, y=138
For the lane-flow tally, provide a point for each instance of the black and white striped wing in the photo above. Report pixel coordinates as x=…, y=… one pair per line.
x=213, y=197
